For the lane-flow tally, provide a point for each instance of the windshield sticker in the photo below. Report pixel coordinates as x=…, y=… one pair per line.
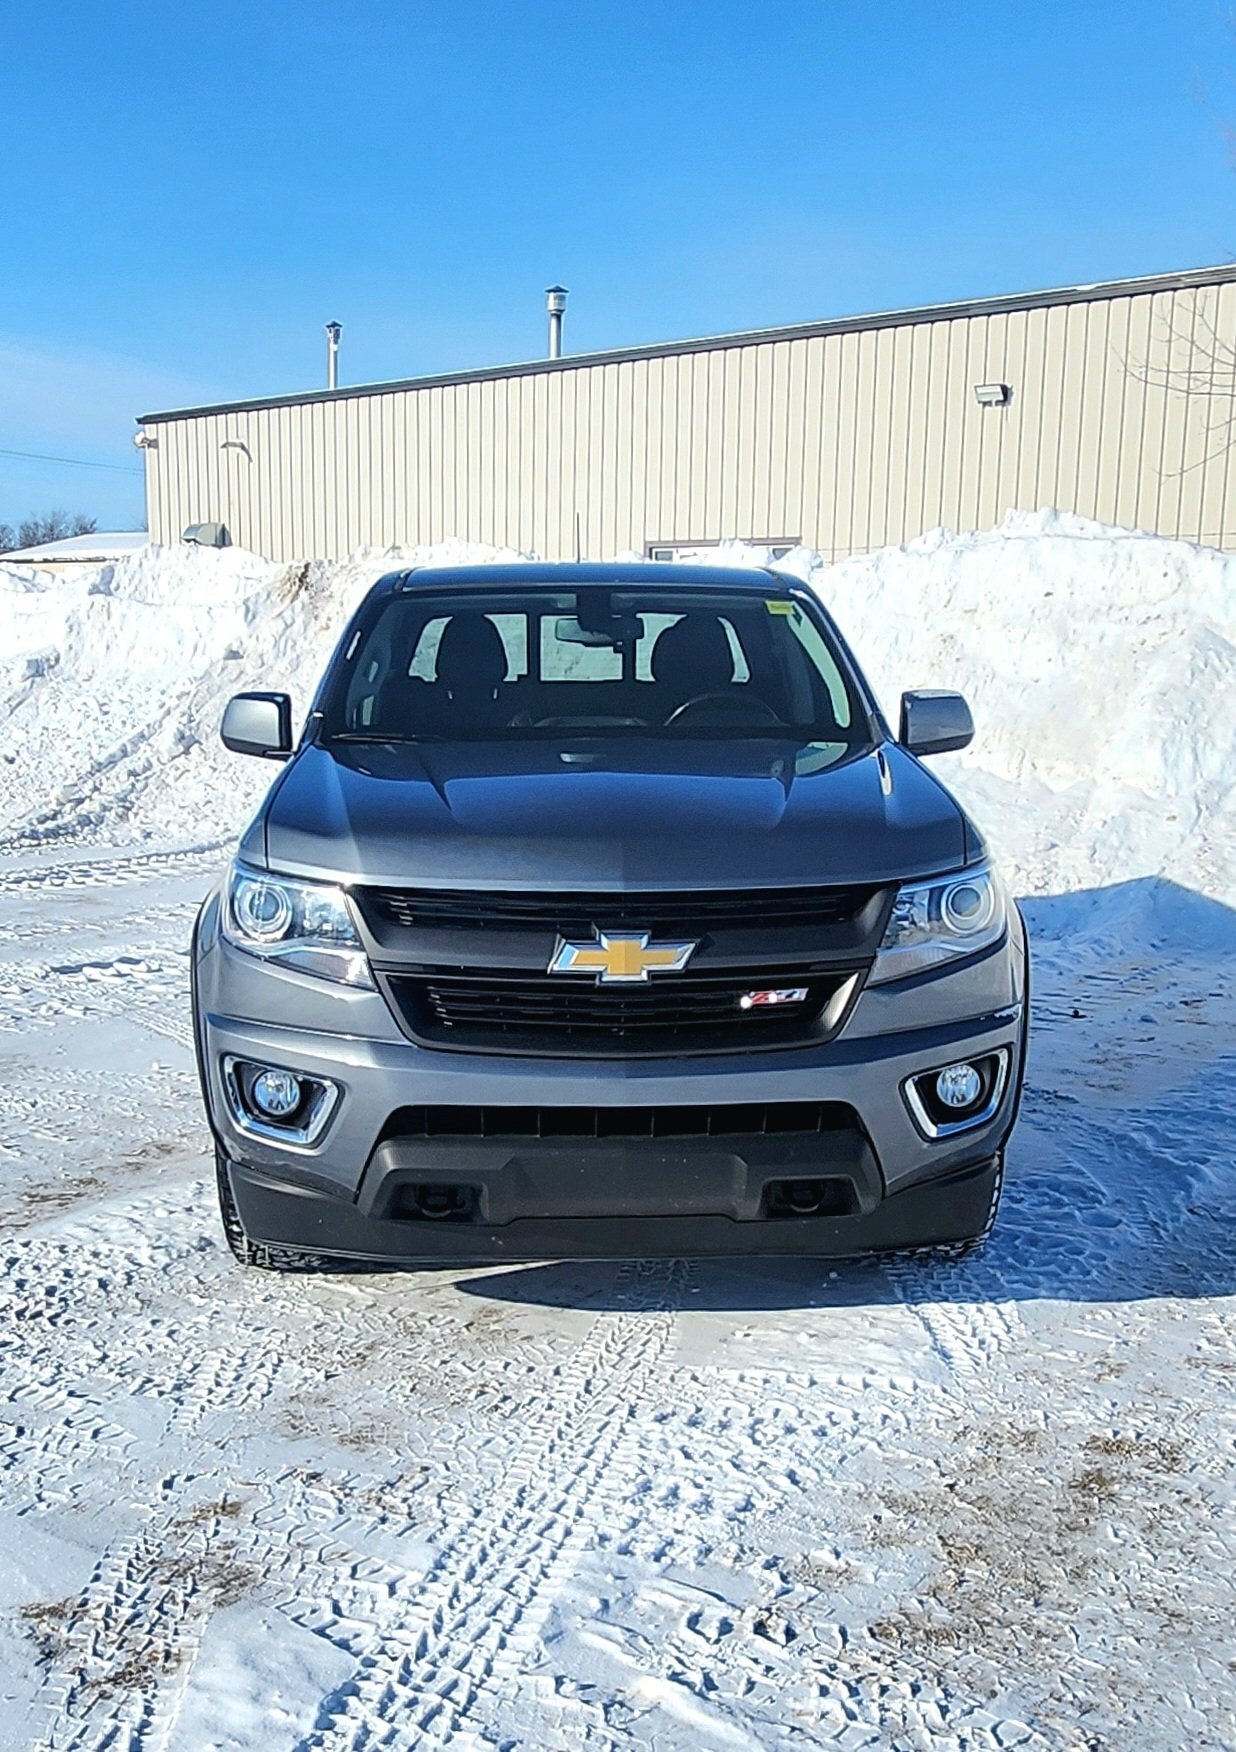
x=777, y=606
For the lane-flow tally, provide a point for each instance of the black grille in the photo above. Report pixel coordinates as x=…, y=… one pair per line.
x=748, y=1119
x=728, y=909
x=468, y=970
x=556, y=1013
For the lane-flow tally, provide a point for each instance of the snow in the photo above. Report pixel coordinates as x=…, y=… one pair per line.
x=675, y=1505
x=92, y=549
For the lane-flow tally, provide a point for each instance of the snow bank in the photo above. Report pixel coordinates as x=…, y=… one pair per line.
x=1101, y=668
x=1100, y=663
x=113, y=683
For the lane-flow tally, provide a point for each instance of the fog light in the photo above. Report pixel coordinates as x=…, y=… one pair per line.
x=287, y=1109
x=959, y=1086
x=276, y=1093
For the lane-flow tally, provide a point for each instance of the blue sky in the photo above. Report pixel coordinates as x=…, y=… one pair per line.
x=190, y=192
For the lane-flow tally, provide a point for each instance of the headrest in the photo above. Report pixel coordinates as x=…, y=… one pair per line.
x=471, y=655
x=694, y=656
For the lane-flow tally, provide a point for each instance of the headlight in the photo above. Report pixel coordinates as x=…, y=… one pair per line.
x=305, y=925
x=937, y=922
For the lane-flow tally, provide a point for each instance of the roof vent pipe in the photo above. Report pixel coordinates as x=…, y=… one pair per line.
x=333, y=332
x=555, y=303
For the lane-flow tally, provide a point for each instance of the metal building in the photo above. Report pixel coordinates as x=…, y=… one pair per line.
x=1113, y=400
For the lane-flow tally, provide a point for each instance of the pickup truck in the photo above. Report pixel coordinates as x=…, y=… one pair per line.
x=596, y=911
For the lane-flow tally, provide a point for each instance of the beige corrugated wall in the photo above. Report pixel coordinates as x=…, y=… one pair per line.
x=847, y=441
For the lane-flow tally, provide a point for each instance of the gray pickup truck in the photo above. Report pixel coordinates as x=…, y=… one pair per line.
x=598, y=912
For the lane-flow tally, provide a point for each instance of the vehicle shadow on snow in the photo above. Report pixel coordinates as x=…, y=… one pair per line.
x=1121, y=1181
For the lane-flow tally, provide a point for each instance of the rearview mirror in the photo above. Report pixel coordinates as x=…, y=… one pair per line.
x=619, y=629
x=260, y=724
x=934, y=722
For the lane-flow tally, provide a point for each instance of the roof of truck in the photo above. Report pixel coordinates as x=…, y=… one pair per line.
x=571, y=574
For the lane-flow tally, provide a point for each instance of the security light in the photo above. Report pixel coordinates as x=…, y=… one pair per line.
x=993, y=395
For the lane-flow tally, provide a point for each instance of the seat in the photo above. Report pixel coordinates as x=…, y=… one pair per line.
x=470, y=670
x=693, y=657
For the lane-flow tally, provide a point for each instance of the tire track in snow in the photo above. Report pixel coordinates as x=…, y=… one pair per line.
x=766, y=1450
x=967, y=1330
x=149, y=990
x=133, y=1631
x=114, y=1649
x=466, y=1622
x=114, y=872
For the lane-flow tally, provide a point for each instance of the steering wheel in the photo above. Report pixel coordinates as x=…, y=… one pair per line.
x=751, y=709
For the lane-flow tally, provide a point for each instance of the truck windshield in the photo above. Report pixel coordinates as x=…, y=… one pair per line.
x=621, y=662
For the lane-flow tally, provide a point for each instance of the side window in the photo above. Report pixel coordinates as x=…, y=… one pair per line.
x=654, y=626
x=514, y=630
x=809, y=637
x=742, y=669
x=424, y=664
x=366, y=678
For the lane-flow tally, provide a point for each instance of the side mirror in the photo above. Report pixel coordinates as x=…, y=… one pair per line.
x=934, y=722
x=258, y=723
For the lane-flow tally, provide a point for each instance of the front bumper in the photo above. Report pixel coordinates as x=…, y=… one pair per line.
x=887, y=1184
x=952, y=1207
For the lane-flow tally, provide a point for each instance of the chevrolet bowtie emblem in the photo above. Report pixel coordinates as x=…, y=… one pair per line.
x=621, y=957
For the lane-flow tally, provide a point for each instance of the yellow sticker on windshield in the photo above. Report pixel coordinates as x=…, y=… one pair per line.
x=775, y=605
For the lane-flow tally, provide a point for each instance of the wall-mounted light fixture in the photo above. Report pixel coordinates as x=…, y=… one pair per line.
x=993, y=395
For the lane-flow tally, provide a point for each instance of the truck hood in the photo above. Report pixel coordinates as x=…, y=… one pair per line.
x=733, y=814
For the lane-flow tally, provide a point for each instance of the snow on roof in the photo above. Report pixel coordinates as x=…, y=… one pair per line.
x=89, y=549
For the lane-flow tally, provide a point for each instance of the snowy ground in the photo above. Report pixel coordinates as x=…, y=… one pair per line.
x=672, y=1506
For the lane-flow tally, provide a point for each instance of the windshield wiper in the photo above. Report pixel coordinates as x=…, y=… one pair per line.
x=376, y=736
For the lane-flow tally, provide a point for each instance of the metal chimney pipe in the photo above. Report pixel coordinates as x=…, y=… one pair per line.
x=555, y=303
x=333, y=332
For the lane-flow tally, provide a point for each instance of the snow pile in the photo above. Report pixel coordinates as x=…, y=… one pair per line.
x=1101, y=669
x=1100, y=664
x=113, y=683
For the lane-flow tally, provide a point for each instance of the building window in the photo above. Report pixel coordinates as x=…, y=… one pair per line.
x=778, y=546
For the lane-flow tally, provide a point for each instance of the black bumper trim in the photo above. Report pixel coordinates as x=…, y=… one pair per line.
x=954, y=1207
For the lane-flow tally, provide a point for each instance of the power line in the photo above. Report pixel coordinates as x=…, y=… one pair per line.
x=70, y=461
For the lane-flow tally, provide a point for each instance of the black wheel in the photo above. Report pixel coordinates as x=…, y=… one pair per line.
x=263, y=1254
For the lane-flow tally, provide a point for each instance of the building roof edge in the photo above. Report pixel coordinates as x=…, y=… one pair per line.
x=1182, y=280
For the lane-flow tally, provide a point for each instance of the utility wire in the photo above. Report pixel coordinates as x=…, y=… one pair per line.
x=70, y=461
